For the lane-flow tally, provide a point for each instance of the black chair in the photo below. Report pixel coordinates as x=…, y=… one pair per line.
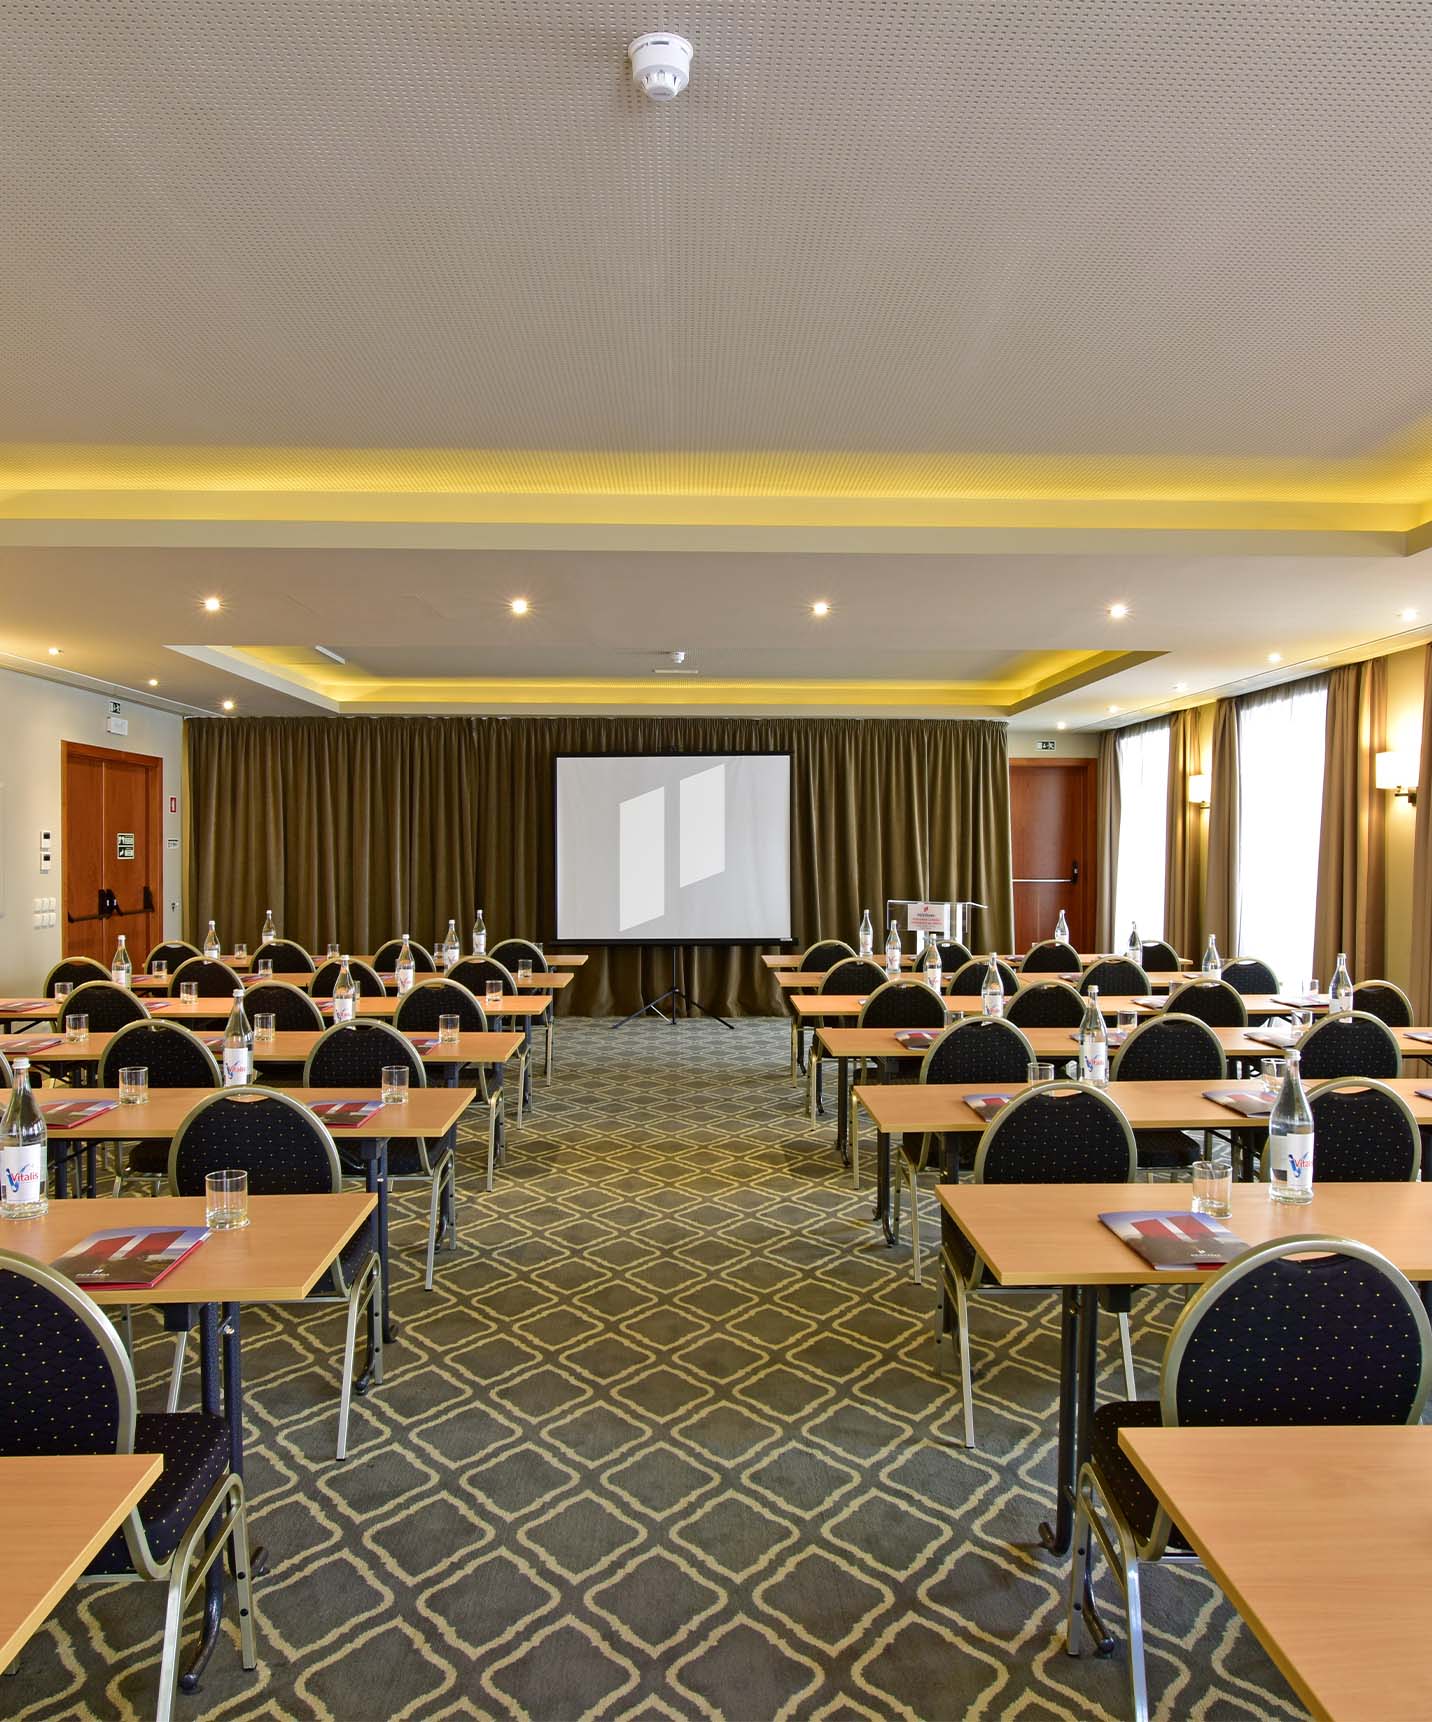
x=287, y=956
x=175, y=1058
x=953, y=955
x=107, y=1006
x=824, y=954
x=1249, y=975
x=67, y=1387
x=511, y=952
x=1383, y=999
x=367, y=980
x=1115, y=977
x=418, y=1013
x=75, y=970
x=352, y=1055
x=7, y=1076
x=292, y=1009
x=1045, y=1004
x=475, y=972
x=1159, y=958
x=1058, y=1133
x=171, y=952
x=1364, y=1132
x=1051, y=957
x=214, y=980
x=1352, y=1043
x=385, y=958
x=903, y=1001
x=1213, y=1002
x=1169, y=1048
x=850, y=975
x=968, y=981
x=1281, y=1337
x=286, y=1151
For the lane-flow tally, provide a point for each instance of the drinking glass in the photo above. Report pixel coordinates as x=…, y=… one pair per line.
x=159, y=968
x=448, y=1030
x=1272, y=1070
x=226, y=1201
x=1212, y=1187
x=133, y=1085
x=540, y=947
x=524, y=969
x=265, y=968
x=189, y=992
x=395, y=1084
x=77, y=1027
x=1126, y=1022
x=334, y=952
x=494, y=994
x=1039, y=1071
x=265, y=1025
x=241, y=950
x=63, y=989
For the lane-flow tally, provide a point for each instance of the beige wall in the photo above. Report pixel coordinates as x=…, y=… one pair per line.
x=1023, y=744
x=38, y=716
x=1404, y=733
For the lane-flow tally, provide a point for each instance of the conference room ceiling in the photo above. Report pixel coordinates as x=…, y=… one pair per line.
x=969, y=318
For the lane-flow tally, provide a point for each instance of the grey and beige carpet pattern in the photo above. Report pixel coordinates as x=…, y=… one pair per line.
x=665, y=1440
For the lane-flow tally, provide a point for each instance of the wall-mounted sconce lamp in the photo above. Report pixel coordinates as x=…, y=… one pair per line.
x=1199, y=784
x=1398, y=772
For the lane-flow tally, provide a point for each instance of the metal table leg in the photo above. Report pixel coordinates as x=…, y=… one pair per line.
x=1078, y=1378
x=842, y=1123
x=882, y=1184
x=209, y=1372
x=375, y=1163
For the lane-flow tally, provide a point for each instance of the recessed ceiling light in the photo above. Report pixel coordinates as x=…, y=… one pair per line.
x=820, y=608
x=1118, y=611
x=1061, y=725
x=213, y=604
x=519, y=606
x=228, y=705
x=1112, y=710
x=1408, y=615
x=154, y=681
x=54, y=651
x=1275, y=657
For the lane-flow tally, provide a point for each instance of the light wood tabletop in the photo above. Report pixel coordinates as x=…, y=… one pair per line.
x=555, y=959
x=547, y=983
x=1062, y=1043
x=277, y=1258
x=216, y=1009
x=60, y=1511
x=808, y=1005
x=426, y=1112
x=290, y=1046
x=1332, y=1571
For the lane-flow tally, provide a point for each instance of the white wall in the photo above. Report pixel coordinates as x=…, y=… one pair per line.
x=37, y=716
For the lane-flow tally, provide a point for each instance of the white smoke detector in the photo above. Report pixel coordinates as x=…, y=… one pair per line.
x=660, y=64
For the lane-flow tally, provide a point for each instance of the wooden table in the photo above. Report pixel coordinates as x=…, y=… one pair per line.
x=1332, y=1573
x=1049, y=1235
x=555, y=960
x=288, y=1047
x=60, y=1511
x=527, y=1004
x=546, y=983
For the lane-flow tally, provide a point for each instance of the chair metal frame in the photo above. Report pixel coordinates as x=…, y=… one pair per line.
x=1100, y=965
x=176, y=976
x=100, y=973
x=1069, y=968
x=169, y=945
x=1200, y=984
x=1386, y=986
x=1049, y=984
x=315, y=1025
x=112, y=1060
x=1248, y=962
x=1340, y=1019
x=77, y=1004
x=540, y=965
x=271, y=945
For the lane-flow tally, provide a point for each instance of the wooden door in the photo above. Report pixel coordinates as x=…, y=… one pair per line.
x=1051, y=813
x=111, y=842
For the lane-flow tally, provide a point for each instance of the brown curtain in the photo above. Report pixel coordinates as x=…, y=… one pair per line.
x=1183, y=851
x=1106, y=839
x=1351, y=851
x=359, y=828
x=1421, y=977
x=1220, y=896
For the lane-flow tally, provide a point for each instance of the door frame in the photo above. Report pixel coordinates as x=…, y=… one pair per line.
x=153, y=765
x=1089, y=764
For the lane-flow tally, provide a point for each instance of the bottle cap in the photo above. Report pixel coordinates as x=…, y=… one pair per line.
x=21, y=1064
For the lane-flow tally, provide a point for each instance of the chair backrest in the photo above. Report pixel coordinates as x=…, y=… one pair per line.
x=285, y=1149
x=510, y=952
x=904, y=1001
x=1051, y=957
x=107, y=1006
x=852, y=975
x=1058, y=1133
x=1337, y=1336
x=76, y=970
x=1171, y=1049
x=475, y=972
x=1117, y=977
x=1213, y=1002
x=979, y=1049
x=952, y=955
x=354, y=1054
x=367, y=980
x=1045, y=1004
x=1384, y=999
x=287, y=956
x=386, y=957
x=1160, y=957
x=1363, y=1132
x=173, y=952
x=968, y=980
x=173, y=1055
x=7, y=1076
x=1353, y=1043
x=421, y=1008
x=1250, y=975
x=824, y=954
x=291, y=1007
x=214, y=980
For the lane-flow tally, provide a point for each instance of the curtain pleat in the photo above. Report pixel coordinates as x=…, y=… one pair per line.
x=1107, y=839
x=357, y=829
x=1220, y=908
x=1421, y=975
x=1351, y=851
x=1183, y=851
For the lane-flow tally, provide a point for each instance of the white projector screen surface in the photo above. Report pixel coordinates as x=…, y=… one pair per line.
x=674, y=848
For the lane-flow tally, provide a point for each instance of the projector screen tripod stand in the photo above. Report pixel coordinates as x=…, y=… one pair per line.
x=673, y=996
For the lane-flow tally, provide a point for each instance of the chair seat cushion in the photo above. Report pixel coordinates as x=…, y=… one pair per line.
x=196, y=1455
x=1164, y=1149
x=149, y=1160
x=1127, y=1492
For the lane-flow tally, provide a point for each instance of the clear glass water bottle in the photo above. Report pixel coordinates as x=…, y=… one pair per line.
x=1134, y=950
x=452, y=946
x=24, y=1153
x=212, y=947
x=1093, y=1044
x=238, y=1046
x=479, y=936
x=1061, y=928
x=892, y=951
x=345, y=995
x=405, y=968
x=933, y=968
x=992, y=990
x=866, y=938
x=1212, y=962
x=270, y=932
x=1340, y=987
x=1290, y=1139
x=121, y=969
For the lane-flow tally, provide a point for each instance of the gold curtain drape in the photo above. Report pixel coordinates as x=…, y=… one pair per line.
x=1220, y=903
x=356, y=829
x=1183, y=848
x=1351, y=850
x=1421, y=975
x=1106, y=839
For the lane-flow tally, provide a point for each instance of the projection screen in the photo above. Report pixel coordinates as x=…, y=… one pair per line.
x=675, y=848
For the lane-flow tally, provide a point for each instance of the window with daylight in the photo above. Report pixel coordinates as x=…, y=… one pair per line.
x=1281, y=748
x=1143, y=832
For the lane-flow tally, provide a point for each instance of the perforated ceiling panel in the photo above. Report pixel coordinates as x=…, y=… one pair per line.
x=1184, y=228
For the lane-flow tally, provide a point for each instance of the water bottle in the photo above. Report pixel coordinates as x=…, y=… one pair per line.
x=1340, y=987
x=24, y=1165
x=1093, y=1044
x=934, y=972
x=1135, y=950
x=992, y=991
x=121, y=970
x=345, y=995
x=1290, y=1139
x=866, y=940
x=1212, y=962
x=892, y=952
x=211, y=944
x=270, y=932
x=452, y=947
x=479, y=936
x=238, y=1046
x=1061, y=928
x=404, y=968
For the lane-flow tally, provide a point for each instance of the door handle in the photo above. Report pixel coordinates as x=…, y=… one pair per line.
x=1073, y=878
x=1073, y=872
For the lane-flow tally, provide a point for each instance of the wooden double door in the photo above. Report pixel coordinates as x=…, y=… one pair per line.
x=112, y=851
x=1051, y=815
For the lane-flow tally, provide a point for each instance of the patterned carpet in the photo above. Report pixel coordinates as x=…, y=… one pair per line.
x=664, y=1441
